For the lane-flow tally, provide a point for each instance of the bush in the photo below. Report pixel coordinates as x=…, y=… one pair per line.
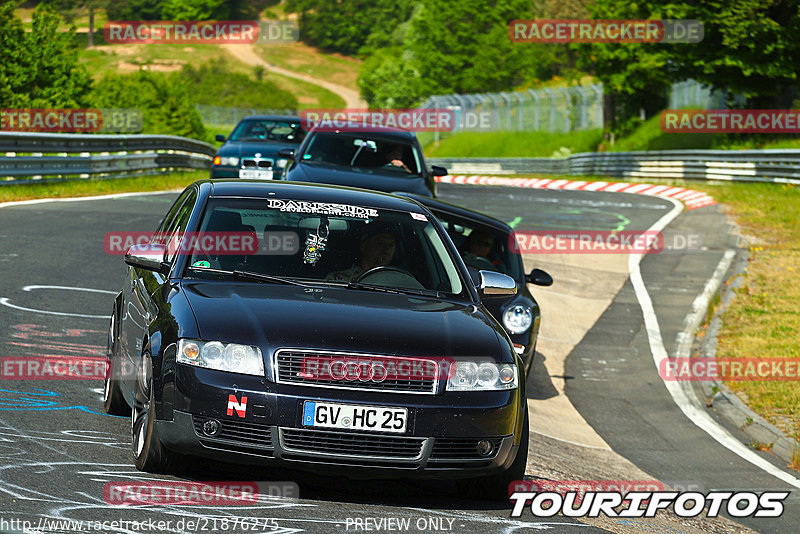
x=166, y=101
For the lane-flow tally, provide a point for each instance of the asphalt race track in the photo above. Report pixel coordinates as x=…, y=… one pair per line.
x=58, y=448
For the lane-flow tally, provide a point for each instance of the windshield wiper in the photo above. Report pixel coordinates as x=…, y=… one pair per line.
x=396, y=290
x=259, y=277
x=247, y=275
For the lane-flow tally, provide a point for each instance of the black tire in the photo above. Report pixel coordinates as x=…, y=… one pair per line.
x=149, y=453
x=495, y=487
x=113, y=400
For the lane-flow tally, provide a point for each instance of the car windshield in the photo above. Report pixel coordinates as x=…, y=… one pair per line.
x=363, y=152
x=268, y=130
x=341, y=244
x=484, y=247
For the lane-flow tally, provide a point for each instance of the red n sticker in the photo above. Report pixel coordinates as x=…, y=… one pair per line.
x=234, y=404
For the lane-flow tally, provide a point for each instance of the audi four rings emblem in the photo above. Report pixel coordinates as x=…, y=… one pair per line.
x=355, y=370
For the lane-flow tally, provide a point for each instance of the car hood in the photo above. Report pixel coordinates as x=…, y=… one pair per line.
x=248, y=148
x=275, y=316
x=389, y=182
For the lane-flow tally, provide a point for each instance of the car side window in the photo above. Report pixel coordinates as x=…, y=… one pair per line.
x=169, y=218
x=178, y=225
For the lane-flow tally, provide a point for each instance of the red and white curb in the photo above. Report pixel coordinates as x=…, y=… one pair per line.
x=692, y=199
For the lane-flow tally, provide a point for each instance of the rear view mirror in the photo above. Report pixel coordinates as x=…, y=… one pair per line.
x=540, y=278
x=287, y=153
x=438, y=171
x=149, y=256
x=220, y=138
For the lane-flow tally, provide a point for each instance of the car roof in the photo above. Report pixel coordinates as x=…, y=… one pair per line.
x=291, y=118
x=458, y=211
x=382, y=131
x=313, y=192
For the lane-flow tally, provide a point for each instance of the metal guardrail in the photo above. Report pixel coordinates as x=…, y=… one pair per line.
x=33, y=156
x=770, y=165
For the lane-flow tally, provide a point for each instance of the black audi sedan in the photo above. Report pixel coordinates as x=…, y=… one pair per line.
x=319, y=327
x=486, y=243
x=251, y=150
x=380, y=158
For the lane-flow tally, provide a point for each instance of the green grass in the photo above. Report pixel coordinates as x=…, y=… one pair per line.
x=511, y=144
x=305, y=59
x=88, y=187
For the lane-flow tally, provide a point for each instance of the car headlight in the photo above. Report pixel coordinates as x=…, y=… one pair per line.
x=486, y=376
x=281, y=163
x=226, y=161
x=517, y=319
x=222, y=357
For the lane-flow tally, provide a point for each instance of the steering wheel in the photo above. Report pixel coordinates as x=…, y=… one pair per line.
x=379, y=268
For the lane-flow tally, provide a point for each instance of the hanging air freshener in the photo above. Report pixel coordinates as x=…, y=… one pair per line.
x=316, y=243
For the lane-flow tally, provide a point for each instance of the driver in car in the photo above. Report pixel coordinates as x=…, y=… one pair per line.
x=377, y=249
x=395, y=157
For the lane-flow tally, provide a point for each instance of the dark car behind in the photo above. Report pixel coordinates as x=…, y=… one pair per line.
x=519, y=314
x=251, y=150
x=384, y=159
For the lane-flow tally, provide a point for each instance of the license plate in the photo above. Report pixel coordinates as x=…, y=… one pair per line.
x=259, y=175
x=354, y=417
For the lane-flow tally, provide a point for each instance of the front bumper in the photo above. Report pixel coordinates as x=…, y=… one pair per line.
x=441, y=440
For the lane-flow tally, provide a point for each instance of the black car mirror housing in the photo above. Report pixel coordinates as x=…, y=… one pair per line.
x=220, y=138
x=438, y=171
x=149, y=256
x=540, y=278
x=287, y=153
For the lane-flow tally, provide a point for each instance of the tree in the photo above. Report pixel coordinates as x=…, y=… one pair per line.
x=464, y=47
x=69, y=8
x=39, y=68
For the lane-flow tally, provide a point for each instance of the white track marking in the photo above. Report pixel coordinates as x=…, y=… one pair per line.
x=29, y=288
x=681, y=395
x=79, y=199
x=5, y=301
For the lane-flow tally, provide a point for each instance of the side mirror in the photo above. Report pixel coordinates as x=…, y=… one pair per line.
x=287, y=153
x=220, y=138
x=148, y=256
x=493, y=284
x=438, y=171
x=540, y=278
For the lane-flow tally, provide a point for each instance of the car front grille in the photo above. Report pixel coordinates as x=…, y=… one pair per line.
x=289, y=364
x=241, y=432
x=462, y=448
x=252, y=163
x=347, y=444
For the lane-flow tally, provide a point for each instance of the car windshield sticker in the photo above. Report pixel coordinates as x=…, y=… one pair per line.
x=419, y=217
x=201, y=263
x=316, y=243
x=322, y=208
